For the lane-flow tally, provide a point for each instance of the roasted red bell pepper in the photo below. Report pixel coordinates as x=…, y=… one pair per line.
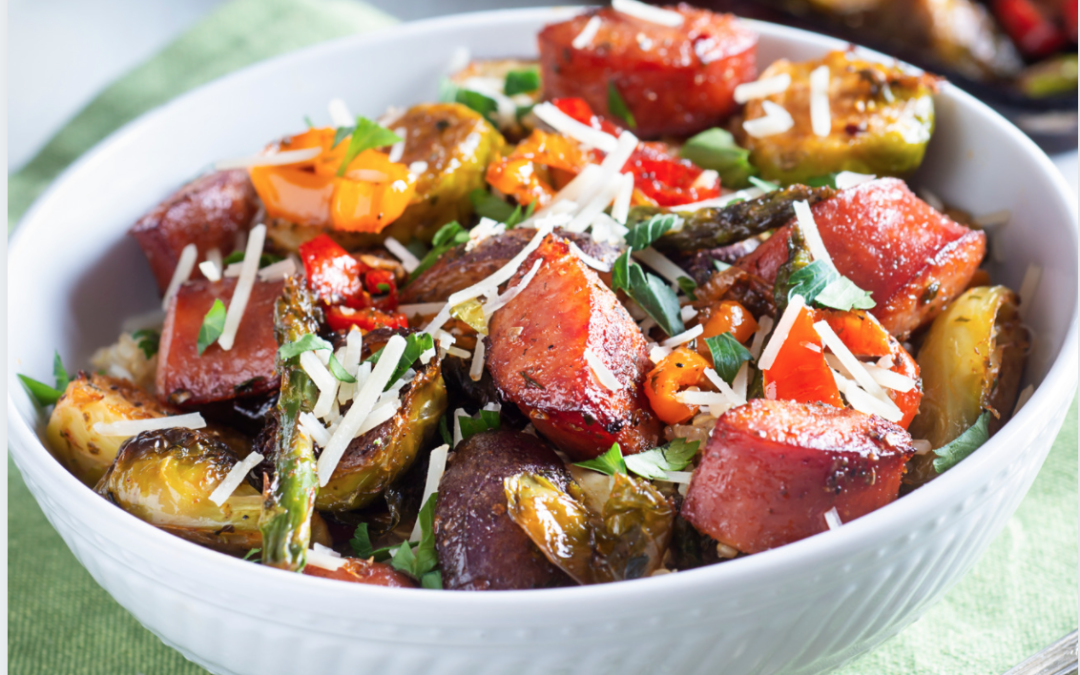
x=800, y=372
x=1035, y=34
x=344, y=318
x=333, y=274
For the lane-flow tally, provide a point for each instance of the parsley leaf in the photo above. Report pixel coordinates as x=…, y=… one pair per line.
x=421, y=561
x=653, y=464
x=212, y=326
x=687, y=286
x=728, y=355
x=238, y=256
x=307, y=343
x=642, y=235
x=340, y=134
x=251, y=553
x=489, y=419
x=60, y=373
x=617, y=106
x=361, y=542
x=821, y=283
x=339, y=372
x=451, y=93
x=765, y=185
x=308, y=122
x=650, y=292
x=415, y=345
x=488, y=205
x=611, y=462
x=448, y=236
x=148, y=341
x=716, y=149
x=521, y=81
x=43, y=394
x=432, y=580
x=963, y=445
x=366, y=135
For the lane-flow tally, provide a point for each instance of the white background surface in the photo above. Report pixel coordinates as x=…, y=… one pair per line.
x=62, y=52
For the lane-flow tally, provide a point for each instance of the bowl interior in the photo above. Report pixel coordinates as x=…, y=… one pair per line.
x=74, y=275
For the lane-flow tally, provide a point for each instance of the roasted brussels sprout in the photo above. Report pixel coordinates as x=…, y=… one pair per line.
x=971, y=361
x=881, y=120
x=375, y=460
x=626, y=539
x=166, y=478
x=480, y=547
x=455, y=145
x=90, y=399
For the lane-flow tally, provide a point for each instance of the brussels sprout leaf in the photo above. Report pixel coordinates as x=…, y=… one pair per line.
x=212, y=326
x=963, y=445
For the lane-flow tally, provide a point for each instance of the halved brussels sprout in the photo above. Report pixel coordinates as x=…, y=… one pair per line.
x=166, y=478
x=90, y=399
x=375, y=460
x=881, y=120
x=627, y=539
x=971, y=361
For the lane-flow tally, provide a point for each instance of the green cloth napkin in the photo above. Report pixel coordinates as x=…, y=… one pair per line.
x=1020, y=597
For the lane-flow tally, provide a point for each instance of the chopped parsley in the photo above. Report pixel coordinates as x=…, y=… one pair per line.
x=448, y=236
x=728, y=355
x=489, y=419
x=307, y=343
x=716, y=149
x=212, y=326
x=950, y=454
x=617, y=106
x=148, y=341
x=522, y=81
x=366, y=135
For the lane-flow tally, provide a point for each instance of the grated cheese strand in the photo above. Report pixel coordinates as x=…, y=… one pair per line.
x=408, y=260
x=326, y=383
x=832, y=518
x=361, y=408
x=661, y=264
x=184, y=266
x=278, y=271
x=684, y=337
x=853, y=365
x=601, y=371
x=768, y=86
x=588, y=259
x=849, y=179
x=739, y=384
x=640, y=10
x=242, y=292
x=569, y=126
x=340, y=115
x=777, y=120
x=311, y=426
x=609, y=181
x=783, y=327
x=210, y=270
x=810, y=232
x=585, y=37
x=820, y=117
x=765, y=325
x=136, y=427
x=922, y=446
x=234, y=478
x=273, y=159
x=476, y=368
x=729, y=392
x=382, y=413
x=871, y=405
x=436, y=468
x=319, y=557
x=1028, y=286
x=620, y=208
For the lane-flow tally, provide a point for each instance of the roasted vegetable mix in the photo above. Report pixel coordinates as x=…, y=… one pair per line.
x=500, y=342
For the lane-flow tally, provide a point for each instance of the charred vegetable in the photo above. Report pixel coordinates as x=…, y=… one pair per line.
x=363, y=571
x=712, y=227
x=455, y=145
x=90, y=399
x=290, y=498
x=881, y=119
x=971, y=361
x=166, y=478
x=626, y=539
x=480, y=547
x=378, y=458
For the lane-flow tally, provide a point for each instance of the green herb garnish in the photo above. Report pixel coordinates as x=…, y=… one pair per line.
x=950, y=454
x=728, y=355
x=687, y=286
x=60, y=373
x=716, y=149
x=611, y=462
x=650, y=292
x=264, y=259
x=420, y=563
x=653, y=464
x=309, y=342
x=212, y=326
x=821, y=283
x=764, y=185
x=617, y=106
x=366, y=135
x=339, y=372
x=448, y=236
x=148, y=341
x=43, y=394
x=489, y=419
x=642, y=235
x=521, y=81
x=488, y=205
x=415, y=345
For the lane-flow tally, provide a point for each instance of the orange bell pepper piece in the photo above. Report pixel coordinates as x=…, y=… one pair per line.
x=520, y=175
x=294, y=194
x=859, y=331
x=727, y=317
x=681, y=369
x=800, y=372
x=373, y=193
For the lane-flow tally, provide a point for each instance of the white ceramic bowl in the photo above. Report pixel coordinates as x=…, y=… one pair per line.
x=802, y=608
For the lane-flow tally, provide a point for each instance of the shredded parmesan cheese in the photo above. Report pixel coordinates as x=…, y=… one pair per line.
x=734, y=397
x=361, y=408
x=609, y=181
x=210, y=270
x=436, y=469
x=476, y=368
x=658, y=353
x=922, y=446
x=340, y=115
x=810, y=232
x=398, y=149
x=994, y=219
x=244, y=284
x=278, y=270
x=135, y=427
x=601, y=371
x=783, y=327
x=687, y=312
x=569, y=126
x=324, y=558
x=585, y=37
x=849, y=179
x=408, y=260
x=620, y=208
x=871, y=405
x=588, y=259
x=458, y=414
x=503, y=300
x=932, y=199
x=832, y=519
x=889, y=379
x=684, y=337
x=311, y=426
x=765, y=324
x=233, y=479
x=381, y=413
x=661, y=264
x=776, y=121
x=273, y=159
x=324, y=381
x=739, y=384
x=184, y=267
x=768, y=86
x=854, y=367
x=458, y=352
x=1028, y=287
x=820, y=117
x=640, y=10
